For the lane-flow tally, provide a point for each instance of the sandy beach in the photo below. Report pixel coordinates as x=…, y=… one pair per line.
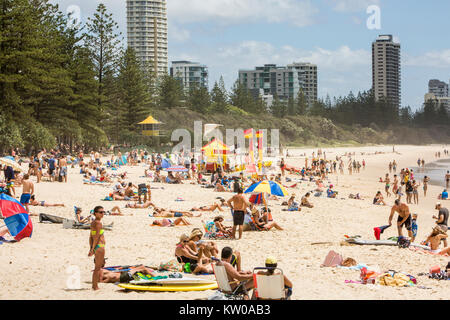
x=37, y=268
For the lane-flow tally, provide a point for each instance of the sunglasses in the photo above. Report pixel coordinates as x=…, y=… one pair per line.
x=103, y=212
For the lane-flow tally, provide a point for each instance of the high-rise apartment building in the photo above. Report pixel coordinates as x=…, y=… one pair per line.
x=190, y=73
x=386, y=69
x=284, y=82
x=438, y=88
x=147, y=32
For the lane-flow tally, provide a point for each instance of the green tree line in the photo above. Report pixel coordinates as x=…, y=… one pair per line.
x=64, y=82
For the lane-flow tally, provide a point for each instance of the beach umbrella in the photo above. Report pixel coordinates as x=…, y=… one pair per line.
x=11, y=163
x=17, y=219
x=270, y=187
x=177, y=169
x=256, y=198
x=165, y=164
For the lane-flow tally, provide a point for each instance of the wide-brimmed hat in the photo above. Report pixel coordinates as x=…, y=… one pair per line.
x=441, y=229
x=183, y=237
x=196, y=233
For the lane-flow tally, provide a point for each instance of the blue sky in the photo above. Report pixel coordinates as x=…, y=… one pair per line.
x=228, y=35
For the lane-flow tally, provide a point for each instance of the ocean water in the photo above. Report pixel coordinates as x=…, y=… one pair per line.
x=436, y=171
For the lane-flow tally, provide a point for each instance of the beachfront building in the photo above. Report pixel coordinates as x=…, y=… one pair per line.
x=438, y=101
x=386, y=69
x=190, y=73
x=438, y=88
x=284, y=82
x=147, y=32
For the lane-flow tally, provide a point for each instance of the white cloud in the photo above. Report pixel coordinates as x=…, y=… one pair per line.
x=178, y=34
x=434, y=59
x=296, y=12
x=353, y=5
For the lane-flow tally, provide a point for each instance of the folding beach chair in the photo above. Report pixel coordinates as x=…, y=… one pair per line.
x=269, y=287
x=224, y=284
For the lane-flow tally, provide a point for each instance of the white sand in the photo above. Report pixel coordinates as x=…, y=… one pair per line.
x=36, y=268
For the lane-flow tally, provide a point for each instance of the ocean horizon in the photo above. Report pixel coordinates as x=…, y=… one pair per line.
x=436, y=171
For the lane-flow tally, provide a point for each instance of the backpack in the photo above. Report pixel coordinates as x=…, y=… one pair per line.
x=403, y=243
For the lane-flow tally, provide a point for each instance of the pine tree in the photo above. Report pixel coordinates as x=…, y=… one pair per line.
x=171, y=94
x=199, y=99
x=301, y=104
x=102, y=39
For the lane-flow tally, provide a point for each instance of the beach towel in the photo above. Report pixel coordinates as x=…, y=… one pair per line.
x=332, y=259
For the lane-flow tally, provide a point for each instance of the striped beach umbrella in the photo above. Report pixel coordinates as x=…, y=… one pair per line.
x=270, y=187
x=16, y=217
x=176, y=169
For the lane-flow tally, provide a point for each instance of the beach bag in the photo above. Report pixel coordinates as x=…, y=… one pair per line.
x=332, y=259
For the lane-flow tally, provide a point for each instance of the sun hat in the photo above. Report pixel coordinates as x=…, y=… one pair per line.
x=196, y=233
x=183, y=237
x=441, y=229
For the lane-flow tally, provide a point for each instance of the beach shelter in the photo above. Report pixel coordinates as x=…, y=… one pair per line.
x=270, y=187
x=16, y=217
x=150, y=127
x=216, y=149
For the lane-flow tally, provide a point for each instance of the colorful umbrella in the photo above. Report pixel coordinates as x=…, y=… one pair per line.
x=11, y=163
x=256, y=198
x=270, y=187
x=17, y=220
x=177, y=169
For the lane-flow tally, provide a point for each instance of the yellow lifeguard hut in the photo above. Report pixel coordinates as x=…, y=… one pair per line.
x=151, y=127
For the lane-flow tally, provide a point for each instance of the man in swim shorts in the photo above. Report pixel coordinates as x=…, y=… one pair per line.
x=404, y=218
x=238, y=205
x=27, y=191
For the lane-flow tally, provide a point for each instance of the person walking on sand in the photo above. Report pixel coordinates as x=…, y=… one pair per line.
x=387, y=180
x=404, y=218
x=97, y=245
x=63, y=168
x=238, y=205
x=27, y=192
x=447, y=180
x=425, y=185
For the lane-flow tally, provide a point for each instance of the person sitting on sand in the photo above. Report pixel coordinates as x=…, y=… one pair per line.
x=379, y=200
x=210, y=208
x=218, y=221
x=36, y=203
x=193, y=261
x=124, y=276
x=163, y=213
x=293, y=205
x=305, y=202
x=196, y=243
x=444, y=195
x=80, y=218
x=170, y=223
x=438, y=234
x=260, y=223
x=171, y=179
x=331, y=193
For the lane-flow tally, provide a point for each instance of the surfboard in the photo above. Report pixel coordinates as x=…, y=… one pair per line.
x=169, y=288
x=174, y=281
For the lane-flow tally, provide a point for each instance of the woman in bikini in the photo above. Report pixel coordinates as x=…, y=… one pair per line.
x=192, y=261
x=415, y=186
x=97, y=245
x=210, y=208
x=36, y=203
x=438, y=234
x=163, y=213
x=170, y=223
